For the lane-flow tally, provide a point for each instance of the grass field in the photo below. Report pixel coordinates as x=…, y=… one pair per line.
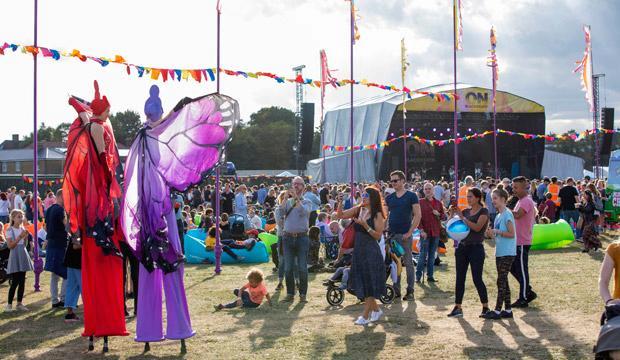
x=561, y=324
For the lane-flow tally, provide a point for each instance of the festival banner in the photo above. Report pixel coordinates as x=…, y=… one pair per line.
x=492, y=62
x=207, y=74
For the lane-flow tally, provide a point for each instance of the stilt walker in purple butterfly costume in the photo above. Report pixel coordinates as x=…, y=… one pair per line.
x=169, y=153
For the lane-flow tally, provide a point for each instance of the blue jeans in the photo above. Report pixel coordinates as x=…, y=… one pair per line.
x=569, y=215
x=245, y=301
x=408, y=261
x=296, y=251
x=282, y=261
x=428, y=248
x=74, y=287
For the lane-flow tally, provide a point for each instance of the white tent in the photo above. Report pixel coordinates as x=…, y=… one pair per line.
x=561, y=165
x=286, y=174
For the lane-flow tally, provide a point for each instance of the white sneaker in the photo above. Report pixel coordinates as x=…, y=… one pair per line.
x=21, y=307
x=9, y=308
x=361, y=321
x=376, y=315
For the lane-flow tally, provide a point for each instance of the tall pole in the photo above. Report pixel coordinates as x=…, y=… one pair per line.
x=455, y=130
x=218, y=244
x=38, y=262
x=494, y=122
x=351, y=77
x=323, y=79
x=403, y=59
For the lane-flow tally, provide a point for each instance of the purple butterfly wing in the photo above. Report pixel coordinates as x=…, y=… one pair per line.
x=174, y=155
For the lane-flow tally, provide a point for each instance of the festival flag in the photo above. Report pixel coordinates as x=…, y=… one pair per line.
x=458, y=24
x=492, y=61
x=584, y=67
x=356, y=32
x=218, y=7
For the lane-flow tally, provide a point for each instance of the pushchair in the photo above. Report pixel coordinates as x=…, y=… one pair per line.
x=609, y=336
x=335, y=295
x=4, y=262
x=237, y=226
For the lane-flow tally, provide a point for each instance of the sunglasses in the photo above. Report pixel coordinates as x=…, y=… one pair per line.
x=394, y=181
x=365, y=195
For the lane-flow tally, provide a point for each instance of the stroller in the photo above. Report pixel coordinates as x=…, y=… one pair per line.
x=4, y=262
x=237, y=226
x=335, y=295
x=609, y=336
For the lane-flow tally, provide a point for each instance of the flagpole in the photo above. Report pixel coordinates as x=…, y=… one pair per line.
x=351, y=106
x=455, y=130
x=218, y=244
x=597, y=154
x=494, y=72
x=494, y=121
x=322, y=114
x=38, y=262
x=403, y=69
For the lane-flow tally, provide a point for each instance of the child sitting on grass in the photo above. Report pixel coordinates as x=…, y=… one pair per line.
x=251, y=294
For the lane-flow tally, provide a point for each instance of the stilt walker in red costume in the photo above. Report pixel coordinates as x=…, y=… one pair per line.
x=92, y=196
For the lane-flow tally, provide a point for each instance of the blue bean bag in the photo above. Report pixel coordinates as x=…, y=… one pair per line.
x=196, y=253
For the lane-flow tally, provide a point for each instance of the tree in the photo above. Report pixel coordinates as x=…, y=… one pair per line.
x=45, y=133
x=265, y=142
x=126, y=125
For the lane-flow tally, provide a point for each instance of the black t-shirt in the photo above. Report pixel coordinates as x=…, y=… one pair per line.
x=227, y=202
x=475, y=237
x=73, y=257
x=567, y=195
x=56, y=232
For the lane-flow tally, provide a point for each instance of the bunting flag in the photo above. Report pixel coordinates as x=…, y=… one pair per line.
x=458, y=24
x=208, y=74
x=50, y=183
x=584, y=67
x=492, y=61
x=552, y=137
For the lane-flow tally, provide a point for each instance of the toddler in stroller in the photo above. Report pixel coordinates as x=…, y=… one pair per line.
x=338, y=283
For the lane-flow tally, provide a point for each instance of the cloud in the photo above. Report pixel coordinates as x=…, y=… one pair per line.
x=539, y=40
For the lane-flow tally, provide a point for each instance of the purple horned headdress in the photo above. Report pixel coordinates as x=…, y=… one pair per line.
x=172, y=155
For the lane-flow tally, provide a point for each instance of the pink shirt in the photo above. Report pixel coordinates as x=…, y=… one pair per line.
x=525, y=224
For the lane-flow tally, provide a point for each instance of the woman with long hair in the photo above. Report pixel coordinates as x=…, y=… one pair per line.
x=367, y=267
x=470, y=251
x=589, y=232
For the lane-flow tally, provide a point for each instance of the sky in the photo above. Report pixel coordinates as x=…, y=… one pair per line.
x=538, y=44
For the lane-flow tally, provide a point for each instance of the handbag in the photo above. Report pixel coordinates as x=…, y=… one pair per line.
x=348, y=236
x=443, y=234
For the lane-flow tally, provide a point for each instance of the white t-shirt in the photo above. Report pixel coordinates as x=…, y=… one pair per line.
x=257, y=223
x=18, y=203
x=4, y=208
x=14, y=233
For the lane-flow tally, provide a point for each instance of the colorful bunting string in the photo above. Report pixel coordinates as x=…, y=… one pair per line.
x=207, y=74
x=29, y=180
x=554, y=137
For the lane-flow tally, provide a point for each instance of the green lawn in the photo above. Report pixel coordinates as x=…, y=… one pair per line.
x=562, y=323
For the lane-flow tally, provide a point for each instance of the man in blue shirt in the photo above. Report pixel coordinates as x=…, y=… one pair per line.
x=262, y=194
x=403, y=218
x=541, y=190
x=315, y=204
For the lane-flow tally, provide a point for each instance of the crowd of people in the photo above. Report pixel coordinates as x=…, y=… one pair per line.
x=363, y=230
